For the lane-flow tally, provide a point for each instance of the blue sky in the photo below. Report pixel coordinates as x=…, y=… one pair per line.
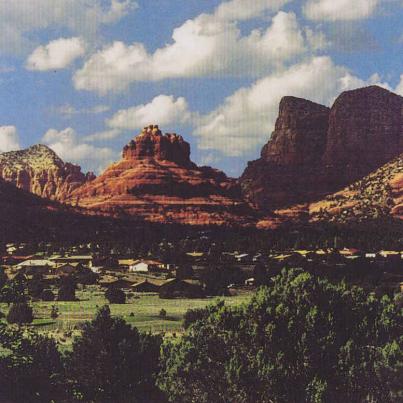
x=84, y=76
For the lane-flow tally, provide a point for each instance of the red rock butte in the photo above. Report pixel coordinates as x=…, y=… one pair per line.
x=155, y=180
x=315, y=151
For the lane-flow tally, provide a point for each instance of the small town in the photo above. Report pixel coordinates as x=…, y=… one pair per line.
x=78, y=273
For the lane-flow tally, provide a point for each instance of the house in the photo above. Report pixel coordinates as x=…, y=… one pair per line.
x=66, y=269
x=111, y=281
x=126, y=263
x=243, y=257
x=16, y=259
x=85, y=260
x=145, y=286
x=175, y=288
x=32, y=266
x=145, y=266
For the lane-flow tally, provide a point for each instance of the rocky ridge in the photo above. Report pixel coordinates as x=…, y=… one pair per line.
x=155, y=180
x=39, y=170
x=377, y=195
x=315, y=151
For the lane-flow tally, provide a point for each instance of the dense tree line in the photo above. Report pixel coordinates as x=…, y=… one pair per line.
x=301, y=339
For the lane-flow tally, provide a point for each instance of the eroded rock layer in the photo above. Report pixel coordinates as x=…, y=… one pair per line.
x=315, y=151
x=40, y=171
x=156, y=180
x=283, y=174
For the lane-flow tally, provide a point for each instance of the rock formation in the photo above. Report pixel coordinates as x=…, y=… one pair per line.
x=377, y=195
x=315, y=151
x=156, y=180
x=365, y=132
x=283, y=174
x=40, y=171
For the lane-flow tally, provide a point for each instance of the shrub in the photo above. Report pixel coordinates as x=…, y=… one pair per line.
x=303, y=339
x=54, y=312
x=20, y=313
x=67, y=290
x=115, y=295
x=193, y=315
x=113, y=362
x=47, y=295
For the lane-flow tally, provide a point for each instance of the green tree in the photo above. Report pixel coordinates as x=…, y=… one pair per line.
x=30, y=367
x=47, y=295
x=301, y=340
x=13, y=291
x=54, y=313
x=193, y=315
x=67, y=289
x=36, y=286
x=3, y=278
x=115, y=295
x=113, y=362
x=20, y=313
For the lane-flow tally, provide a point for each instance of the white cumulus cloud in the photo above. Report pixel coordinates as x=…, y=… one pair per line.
x=9, y=139
x=57, y=54
x=399, y=88
x=247, y=9
x=244, y=122
x=103, y=135
x=163, y=110
x=72, y=148
x=334, y=10
x=205, y=46
x=19, y=18
x=68, y=110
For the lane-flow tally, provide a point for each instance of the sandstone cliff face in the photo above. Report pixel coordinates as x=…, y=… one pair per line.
x=151, y=143
x=155, y=180
x=283, y=174
x=315, y=151
x=299, y=137
x=365, y=132
x=40, y=171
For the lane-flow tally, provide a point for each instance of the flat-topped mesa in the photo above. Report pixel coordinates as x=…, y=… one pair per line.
x=299, y=136
x=151, y=143
x=283, y=174
x=365, y=131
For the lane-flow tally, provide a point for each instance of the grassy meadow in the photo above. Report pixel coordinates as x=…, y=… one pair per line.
x=141, y=310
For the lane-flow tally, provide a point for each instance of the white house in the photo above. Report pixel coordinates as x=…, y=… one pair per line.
x=144, y=266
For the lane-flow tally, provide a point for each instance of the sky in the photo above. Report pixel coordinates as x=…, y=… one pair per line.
x=84, y=76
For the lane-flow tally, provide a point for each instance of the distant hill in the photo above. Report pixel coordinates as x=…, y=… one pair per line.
x=39, y=170
x=379, y=194
x=339, y=165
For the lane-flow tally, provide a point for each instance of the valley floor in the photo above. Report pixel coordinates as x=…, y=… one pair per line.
x=141, y=310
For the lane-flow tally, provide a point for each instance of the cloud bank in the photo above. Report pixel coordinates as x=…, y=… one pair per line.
x=9, y=139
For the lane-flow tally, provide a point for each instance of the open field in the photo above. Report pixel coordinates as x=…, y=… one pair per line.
x=140, y=310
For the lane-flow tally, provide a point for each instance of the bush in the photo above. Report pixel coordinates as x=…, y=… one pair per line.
x=113, y=362
x=163, y=313
x=47, y=295
x=35, y=373
x=20, y=313
x=67, y=290
x=303, y=339
x=54, y=314
x=193, y=315
x=115, y=296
